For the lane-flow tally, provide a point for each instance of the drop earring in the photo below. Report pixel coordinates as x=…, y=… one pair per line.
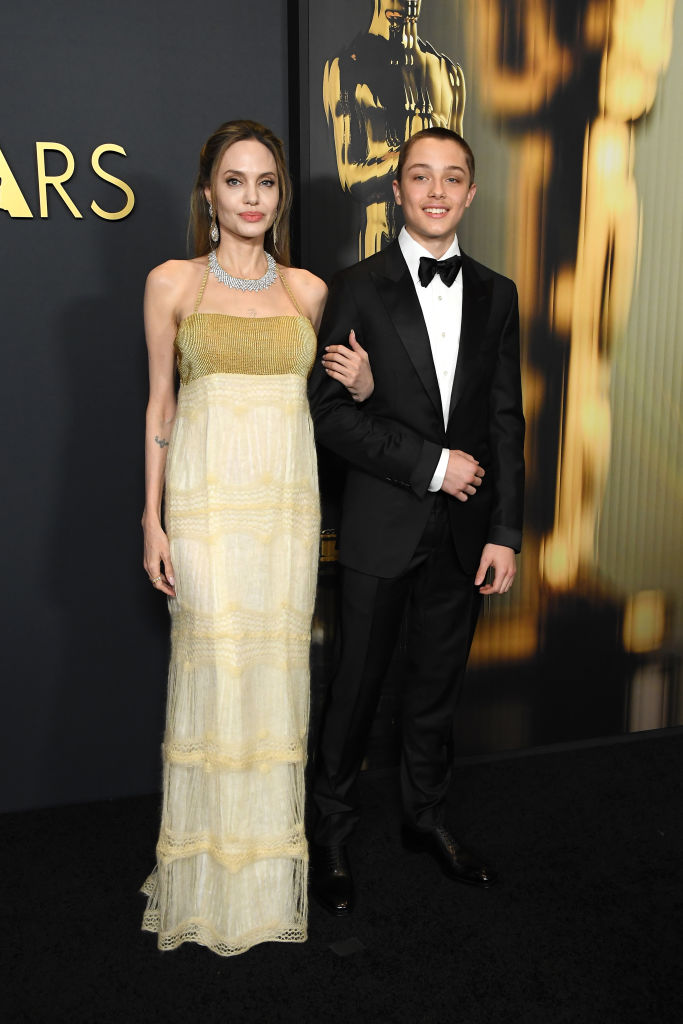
x=213, y=233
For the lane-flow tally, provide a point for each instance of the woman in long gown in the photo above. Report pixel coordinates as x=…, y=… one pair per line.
x=233, y=453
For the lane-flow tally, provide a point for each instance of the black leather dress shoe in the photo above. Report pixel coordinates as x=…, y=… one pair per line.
x=458, y=863
x=331, y=880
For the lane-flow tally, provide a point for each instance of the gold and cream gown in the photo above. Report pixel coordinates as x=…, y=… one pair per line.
x=242, y=515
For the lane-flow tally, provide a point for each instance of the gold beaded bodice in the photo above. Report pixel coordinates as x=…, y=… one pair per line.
x=209, y=343
x=219, y=343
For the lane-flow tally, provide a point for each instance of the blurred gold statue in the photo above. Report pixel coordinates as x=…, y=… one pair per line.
x=638, y=40
x=582, y=293
x=386, y=85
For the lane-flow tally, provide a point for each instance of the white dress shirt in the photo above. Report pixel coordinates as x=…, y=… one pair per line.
x=442, y=311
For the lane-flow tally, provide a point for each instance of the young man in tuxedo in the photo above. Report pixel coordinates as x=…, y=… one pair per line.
x=433, y=498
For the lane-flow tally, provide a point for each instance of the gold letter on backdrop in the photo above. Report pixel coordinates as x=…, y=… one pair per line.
x=45, y=179
x=111, y=147
x=11, y=196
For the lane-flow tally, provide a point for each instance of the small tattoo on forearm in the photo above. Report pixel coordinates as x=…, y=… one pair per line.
x=161, y=441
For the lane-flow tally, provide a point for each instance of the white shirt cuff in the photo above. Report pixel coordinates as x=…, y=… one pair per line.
x=440, y=471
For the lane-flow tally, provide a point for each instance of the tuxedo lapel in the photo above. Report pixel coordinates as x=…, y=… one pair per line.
x=396, y=289
x=474, y=313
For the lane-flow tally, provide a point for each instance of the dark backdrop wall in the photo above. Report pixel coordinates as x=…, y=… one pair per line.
x=84, y=636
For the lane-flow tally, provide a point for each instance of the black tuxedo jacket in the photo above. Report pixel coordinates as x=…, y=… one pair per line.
x=392, y=442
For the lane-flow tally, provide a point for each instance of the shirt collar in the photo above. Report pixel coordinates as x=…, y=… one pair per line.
x=412, y=250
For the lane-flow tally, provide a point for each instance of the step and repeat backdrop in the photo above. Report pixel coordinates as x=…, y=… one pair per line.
x=572, y=109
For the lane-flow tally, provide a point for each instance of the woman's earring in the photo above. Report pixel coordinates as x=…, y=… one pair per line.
x=275, y=235
x=213, y=233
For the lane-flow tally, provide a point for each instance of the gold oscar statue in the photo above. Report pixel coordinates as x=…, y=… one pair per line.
x=575, y=278
x=637, y=49
x=384, y=86
x=574, y=92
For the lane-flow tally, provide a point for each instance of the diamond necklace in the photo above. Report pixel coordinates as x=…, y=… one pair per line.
x=244, y=284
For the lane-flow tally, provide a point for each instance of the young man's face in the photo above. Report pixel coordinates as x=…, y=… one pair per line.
x=434, y=192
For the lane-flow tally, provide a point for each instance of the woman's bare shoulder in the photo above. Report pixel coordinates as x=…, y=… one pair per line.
x=176, y=275
x=311, y=293
x=307, y=283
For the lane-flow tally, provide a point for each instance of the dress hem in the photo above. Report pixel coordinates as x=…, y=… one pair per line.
x=203, y=935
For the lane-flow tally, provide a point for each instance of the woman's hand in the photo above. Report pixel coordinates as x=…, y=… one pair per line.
x=158, y=554
x=351, y=367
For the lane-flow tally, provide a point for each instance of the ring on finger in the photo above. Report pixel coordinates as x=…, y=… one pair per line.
x=155, y=580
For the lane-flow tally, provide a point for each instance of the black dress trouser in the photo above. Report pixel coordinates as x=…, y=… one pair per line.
x=443, y=610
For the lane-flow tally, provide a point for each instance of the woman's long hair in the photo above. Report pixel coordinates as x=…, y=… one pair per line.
x=277, y=236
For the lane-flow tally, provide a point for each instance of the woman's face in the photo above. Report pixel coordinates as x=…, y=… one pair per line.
x=246, y=190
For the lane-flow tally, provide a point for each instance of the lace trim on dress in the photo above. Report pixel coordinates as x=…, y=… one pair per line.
x=213, y=755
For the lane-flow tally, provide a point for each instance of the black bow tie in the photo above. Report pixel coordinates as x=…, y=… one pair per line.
x=446, y=269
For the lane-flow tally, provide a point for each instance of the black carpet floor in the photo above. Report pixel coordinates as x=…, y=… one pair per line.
x=585, y=926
